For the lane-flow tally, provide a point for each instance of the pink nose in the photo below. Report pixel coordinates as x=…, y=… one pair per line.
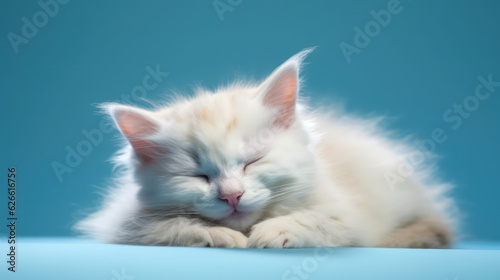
x=231, y=198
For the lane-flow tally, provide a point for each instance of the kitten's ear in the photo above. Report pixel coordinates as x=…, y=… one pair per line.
x=137, y=125
x=281, y=88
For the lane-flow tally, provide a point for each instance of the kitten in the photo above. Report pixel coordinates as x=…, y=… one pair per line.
x=250, y=166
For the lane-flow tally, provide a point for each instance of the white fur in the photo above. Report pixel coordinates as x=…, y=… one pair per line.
x=321, y=181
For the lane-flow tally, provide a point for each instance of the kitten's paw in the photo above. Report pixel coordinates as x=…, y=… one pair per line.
x=212, y=237
x=269, y=234
x=228, y=238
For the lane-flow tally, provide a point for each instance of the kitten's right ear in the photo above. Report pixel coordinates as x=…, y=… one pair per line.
x=137, y=125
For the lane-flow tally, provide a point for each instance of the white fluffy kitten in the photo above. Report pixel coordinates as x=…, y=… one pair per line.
x=249, y=166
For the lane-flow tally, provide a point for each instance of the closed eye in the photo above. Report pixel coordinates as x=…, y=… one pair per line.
x=253, y=161
x=204, y=177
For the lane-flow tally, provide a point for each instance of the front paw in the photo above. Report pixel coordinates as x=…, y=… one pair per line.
x=211, y=237
x=227, y=238
x=274, y=234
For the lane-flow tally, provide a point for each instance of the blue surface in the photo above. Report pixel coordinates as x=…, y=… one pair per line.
x=427, y=59
x=83, y=259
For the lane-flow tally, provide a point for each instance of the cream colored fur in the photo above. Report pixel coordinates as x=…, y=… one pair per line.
x=317, y=179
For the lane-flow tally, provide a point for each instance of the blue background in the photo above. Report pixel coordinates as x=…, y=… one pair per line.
x=427, y=59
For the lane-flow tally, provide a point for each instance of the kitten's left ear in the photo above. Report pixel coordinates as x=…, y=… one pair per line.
x=281, y=88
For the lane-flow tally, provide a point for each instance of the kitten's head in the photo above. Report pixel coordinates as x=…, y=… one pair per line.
x=229, y=156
